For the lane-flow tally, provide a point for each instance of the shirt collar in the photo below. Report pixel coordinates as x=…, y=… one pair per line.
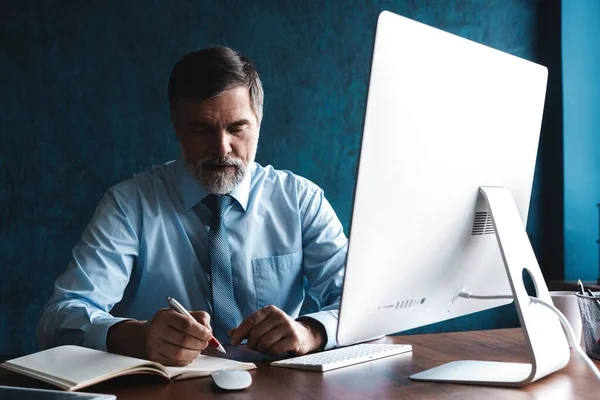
x=193, y=192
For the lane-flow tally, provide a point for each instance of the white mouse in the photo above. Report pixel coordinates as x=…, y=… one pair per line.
x=232, y=379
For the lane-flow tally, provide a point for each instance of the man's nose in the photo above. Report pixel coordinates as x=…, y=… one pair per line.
x=222, y=144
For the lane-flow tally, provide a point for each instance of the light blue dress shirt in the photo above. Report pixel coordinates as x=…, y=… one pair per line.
x=148, y=239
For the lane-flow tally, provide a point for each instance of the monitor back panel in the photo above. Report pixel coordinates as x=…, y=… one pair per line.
x=444, y=116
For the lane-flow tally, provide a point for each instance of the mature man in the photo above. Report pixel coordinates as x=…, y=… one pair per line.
x=238, y=242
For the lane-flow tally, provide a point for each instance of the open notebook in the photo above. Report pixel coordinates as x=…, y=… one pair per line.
x=74, y=367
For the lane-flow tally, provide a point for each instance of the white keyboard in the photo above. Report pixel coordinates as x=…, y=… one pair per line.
x=343, y=357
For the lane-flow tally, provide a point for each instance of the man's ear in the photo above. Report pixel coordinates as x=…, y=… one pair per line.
x=258, y=122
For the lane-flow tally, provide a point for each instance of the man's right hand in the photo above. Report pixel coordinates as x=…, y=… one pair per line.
x=169, y=338
x=173, y=339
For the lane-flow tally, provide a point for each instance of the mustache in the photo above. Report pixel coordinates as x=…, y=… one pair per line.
x=215, y=160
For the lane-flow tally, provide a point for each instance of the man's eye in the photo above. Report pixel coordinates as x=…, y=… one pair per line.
x=201, y=130
x=238, y=128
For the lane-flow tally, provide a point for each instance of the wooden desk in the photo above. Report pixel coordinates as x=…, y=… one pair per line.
x=381, y=379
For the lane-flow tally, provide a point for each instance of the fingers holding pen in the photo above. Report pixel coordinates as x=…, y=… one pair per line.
x=175, y=339
x=188, y=326
x=203, y=319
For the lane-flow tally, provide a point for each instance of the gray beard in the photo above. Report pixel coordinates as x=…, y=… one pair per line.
x=218, y=182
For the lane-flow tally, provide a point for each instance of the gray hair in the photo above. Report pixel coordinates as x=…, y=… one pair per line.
x=207, y=73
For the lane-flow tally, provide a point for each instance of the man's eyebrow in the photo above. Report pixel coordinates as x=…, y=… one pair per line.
x=239, y=122
x=200, y=124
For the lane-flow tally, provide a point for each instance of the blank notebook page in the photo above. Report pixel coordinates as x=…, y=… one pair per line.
x=75, y=364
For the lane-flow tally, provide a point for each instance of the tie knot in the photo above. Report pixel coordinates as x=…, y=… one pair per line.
x=217, y=204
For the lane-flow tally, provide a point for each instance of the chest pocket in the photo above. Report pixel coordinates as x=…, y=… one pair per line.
x=279, y=281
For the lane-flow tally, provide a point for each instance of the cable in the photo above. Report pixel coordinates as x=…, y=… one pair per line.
x=480, y=297
x=561, y=317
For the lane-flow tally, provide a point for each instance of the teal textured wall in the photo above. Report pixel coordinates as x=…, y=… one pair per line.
x=581, y=80
x=83, y=106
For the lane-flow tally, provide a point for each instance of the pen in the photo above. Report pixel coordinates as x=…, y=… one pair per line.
x=581, y=291
x=181, y=310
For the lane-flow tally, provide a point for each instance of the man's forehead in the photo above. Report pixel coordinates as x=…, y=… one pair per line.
x=227, y=105
x=222, y=114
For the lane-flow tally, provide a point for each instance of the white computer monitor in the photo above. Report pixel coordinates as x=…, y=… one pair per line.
x=445, y=117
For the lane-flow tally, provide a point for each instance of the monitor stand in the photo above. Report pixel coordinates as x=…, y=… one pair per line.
x=544, y=337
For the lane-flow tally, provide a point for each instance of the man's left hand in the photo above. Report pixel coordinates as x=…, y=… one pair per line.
x=272, y=331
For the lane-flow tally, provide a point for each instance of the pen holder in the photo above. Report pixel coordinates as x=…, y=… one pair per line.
x=589, y=308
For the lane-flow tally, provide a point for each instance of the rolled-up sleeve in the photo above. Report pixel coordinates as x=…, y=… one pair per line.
x=79, y=310
x=324, y=258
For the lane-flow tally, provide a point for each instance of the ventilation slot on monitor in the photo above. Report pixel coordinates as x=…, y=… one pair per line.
x=404, y=303
x=409, y=303
x=483, y=224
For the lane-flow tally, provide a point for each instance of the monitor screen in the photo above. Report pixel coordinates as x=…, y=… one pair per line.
x=444, y=117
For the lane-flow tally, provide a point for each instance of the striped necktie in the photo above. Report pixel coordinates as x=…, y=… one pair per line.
x=226, y=314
